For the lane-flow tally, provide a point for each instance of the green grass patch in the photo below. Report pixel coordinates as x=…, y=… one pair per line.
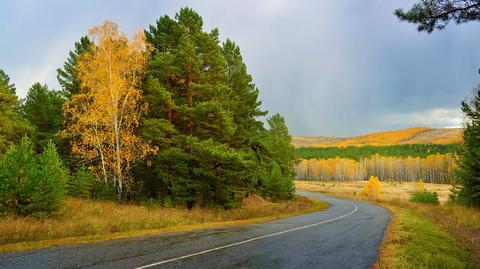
x=413, y=241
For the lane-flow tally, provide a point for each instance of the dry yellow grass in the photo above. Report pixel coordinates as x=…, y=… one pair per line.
x=390, y=190
x=85, y=221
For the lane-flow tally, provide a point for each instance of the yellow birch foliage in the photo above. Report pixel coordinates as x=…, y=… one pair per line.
x=372, y=189
x=104, y=115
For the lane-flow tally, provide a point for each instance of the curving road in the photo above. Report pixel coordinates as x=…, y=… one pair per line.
x=347, y=235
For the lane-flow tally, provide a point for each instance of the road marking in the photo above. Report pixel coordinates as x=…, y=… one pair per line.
x=250, y=240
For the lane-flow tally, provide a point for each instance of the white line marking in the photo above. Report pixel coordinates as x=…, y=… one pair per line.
x=249, y=240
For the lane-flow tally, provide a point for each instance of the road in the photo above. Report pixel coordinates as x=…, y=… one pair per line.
x=346, y=235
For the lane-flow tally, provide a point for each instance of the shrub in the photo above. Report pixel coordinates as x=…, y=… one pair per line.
x=102, y=190
x=425, y=197
x=30, y=184
x=419, y=186
x=81, y=184
x=372, y=189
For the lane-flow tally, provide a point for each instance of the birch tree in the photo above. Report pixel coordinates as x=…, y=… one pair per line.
x=105, y=113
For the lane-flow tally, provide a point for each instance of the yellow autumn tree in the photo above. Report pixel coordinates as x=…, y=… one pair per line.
x=104, y=115
x=419, y=185
x=372, y=189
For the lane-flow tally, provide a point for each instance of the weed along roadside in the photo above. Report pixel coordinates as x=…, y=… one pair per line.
x=420, y=235
x=89, y=221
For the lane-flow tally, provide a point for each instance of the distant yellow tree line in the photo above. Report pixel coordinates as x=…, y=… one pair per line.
x=432, y=169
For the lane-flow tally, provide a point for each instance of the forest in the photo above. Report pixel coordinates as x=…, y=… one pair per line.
x=169, y=115
x=362, y=152
x=432, y=163
x=436, y=168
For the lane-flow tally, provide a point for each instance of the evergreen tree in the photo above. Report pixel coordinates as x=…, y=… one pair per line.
x=30, y=184
x=43, y=108
x=193, y=94
x=5, y=82
x=279, y=145
x=467, y=173
x=277, y=186
x=244, y=100
x=278, y=160
x=436, y=14
x=13, y=125
x=67, y=76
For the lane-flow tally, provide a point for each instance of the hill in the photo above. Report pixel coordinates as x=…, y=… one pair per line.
x=416, y=135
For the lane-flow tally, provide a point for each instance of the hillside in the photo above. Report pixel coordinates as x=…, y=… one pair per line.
x=416, y=135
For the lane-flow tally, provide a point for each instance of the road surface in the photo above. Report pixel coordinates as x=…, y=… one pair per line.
x=347, y=235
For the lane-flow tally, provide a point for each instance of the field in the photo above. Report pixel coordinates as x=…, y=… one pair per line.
x=419, y=235
x=416, y=135
x=87, y=220
x=390, y=190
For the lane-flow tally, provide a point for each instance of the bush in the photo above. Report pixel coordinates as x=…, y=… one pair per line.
x=30, y=184
x=425, y=197
x=81, y=184
x=372, y=189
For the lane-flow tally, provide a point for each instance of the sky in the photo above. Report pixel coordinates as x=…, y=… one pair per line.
x=330, y=67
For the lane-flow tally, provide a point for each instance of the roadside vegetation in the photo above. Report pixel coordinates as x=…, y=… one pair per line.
x=83, y=220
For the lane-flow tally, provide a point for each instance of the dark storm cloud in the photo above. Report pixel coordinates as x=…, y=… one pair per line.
x=330, y=67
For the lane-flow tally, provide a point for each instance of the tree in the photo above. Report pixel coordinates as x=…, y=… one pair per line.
x=31, y=184
x=68, y=77
x=244, y=100
x=467, y=173
x=5, y=82
x=201, y=160
x=436, y=14
x=278, y=186
x=106, y=111
x=43, y=108
x=13, y=125
x=372, y=189
x=279, y=155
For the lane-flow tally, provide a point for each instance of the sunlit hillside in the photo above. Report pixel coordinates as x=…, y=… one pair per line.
x=416, y=135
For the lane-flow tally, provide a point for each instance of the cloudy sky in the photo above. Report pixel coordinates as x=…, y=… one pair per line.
x=338, y=67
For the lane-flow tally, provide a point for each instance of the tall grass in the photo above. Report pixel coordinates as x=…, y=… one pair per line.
x=85, y=217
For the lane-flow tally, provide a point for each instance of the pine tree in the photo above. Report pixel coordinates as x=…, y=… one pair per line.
x=194, y=115
x=280, y=153
x=467, y=173
x=68, y=77
x=13, y=125
x=31, y=184
x=43, y=108
x=436, y=14
x=5, y=82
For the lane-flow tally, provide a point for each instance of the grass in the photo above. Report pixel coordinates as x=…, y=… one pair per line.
x=86, y=221
x=413, y=240
x=390, y=190
x=419, y=235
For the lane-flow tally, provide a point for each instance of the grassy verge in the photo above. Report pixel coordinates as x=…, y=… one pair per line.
x=413, y=240
x=419, y=235
x=87, y=221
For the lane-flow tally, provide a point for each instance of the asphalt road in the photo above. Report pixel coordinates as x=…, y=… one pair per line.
x=347, y=235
